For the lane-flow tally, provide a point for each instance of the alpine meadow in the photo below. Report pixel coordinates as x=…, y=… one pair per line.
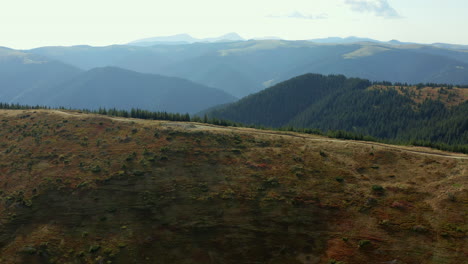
x=232, y=132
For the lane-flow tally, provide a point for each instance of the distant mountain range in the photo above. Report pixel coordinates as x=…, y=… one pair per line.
x=230, y=37
x=184, y=39
x=353, y=39
x=343, y=40
x=35, y=80
x=236, y=67
x=21, y=73
x=244, y=67
x=112, y=87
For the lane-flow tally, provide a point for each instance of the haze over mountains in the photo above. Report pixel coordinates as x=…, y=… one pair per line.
x=111, y=87
x=227, y=64
x=135, y=186
x=36, y=80
x=231, y=37
x=22, y=73
x=185, y=39
x=245, y=67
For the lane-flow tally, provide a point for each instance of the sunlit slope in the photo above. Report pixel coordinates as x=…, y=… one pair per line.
x=86, y=189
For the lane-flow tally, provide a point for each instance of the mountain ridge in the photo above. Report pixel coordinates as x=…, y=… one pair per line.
x=128, y=190
x=185, y=39
x=249, y=66
x=22, y=72
x=113, y=87
x=395, y=112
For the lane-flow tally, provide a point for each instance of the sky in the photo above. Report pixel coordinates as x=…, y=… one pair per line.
x=28, y=24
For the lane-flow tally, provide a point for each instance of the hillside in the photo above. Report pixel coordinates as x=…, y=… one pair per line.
x=245, y=67
x=334, y=102
x=79, y=188
x=21, y=73
x=111, y=87
x=449, y=96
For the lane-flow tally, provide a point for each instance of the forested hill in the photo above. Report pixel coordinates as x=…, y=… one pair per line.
x=21, y=73
x=423, y=113
x=112, y=87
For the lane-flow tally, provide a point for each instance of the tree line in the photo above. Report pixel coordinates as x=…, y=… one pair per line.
x=455, y=145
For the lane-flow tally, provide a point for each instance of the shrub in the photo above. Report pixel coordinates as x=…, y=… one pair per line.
x=452, y=197
x=272, y=182
x=164, y=149
x=130, y=157
x=28, y=250
x=146, y=152
x=96, y=169
x=138, y=173
x=419, y=229
x=332, y=261
x=398, y=205
x=377, y=188
x=236, y=151
x=94, y=248
x=363, y=243
x=83, y=184
x=298, y=159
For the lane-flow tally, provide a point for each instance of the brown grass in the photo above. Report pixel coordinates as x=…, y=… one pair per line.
x=174, y=192
x=449, y=97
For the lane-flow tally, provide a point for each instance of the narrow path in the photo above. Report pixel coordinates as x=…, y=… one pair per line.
x=306, y=137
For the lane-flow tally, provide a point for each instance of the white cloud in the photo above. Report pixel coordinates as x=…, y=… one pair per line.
x=378, y=7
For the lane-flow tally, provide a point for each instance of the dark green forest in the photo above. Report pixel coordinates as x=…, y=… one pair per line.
x=443, y=128
x=336, y=103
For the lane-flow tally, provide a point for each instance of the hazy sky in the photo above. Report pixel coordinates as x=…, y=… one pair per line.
x=34, y=23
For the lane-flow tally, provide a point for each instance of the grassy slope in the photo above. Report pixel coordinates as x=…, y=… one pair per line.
x=90, y=189
x=400, y=114
x=449, y=97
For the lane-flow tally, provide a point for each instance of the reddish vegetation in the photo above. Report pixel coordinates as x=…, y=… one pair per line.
x=78, y=188
x=401, y=205
x=448, y=96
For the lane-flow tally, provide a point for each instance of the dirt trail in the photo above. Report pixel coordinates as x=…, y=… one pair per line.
x=192, y=126
x=416, y=150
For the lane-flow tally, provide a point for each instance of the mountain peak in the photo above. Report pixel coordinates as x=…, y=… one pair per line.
x=178, y=38
x=231, y=36
x=185, y=39
x=394, y=41
x=347, y=40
